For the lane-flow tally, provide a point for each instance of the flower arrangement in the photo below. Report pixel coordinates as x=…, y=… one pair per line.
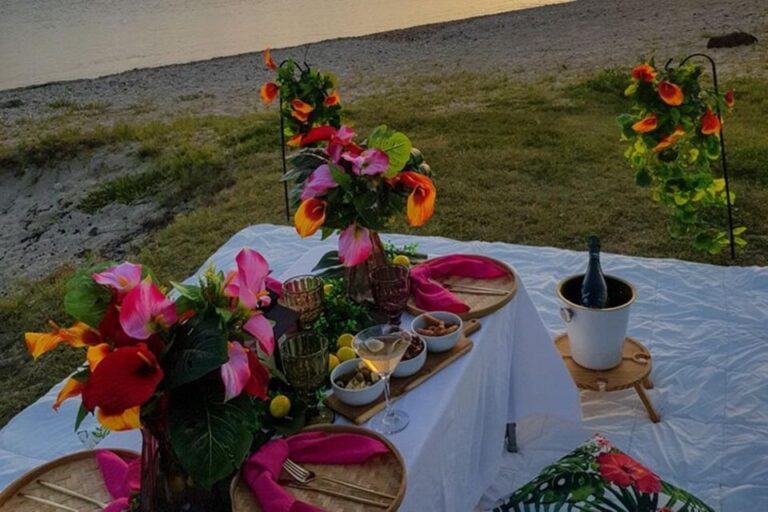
x=673, y=136
x=187, y=370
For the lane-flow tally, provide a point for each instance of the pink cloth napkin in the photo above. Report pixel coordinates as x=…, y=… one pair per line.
x=430, y=295
x=263, y=468
x=120, y=477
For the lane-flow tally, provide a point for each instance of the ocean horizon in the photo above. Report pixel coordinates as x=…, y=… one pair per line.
x=52, y=40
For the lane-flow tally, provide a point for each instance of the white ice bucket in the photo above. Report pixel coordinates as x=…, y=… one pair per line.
x=596, y=335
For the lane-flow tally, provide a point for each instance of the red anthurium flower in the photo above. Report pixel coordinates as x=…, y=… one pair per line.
x=125, y=378
x=340, y=142
x=300, y=110
x=145, y=311
x=730, y=99
x=309, y=217
x=268, y=92
x=669, y=140
x=332, y=99
x=710, y=123
x=79, y=335
x=268, y=60
x=644, y=73
x=625, y=471
x=123, y=277
x=354, y=245
x=421, y=201
x=257, y=384
x=670, y=93
x=647, y=124
x=318, y=134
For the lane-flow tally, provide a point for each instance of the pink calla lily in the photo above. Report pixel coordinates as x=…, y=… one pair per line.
x=252, y=271
x=318, y=183
x=369, y=163
x=123, y=277
x=145, y=311
x=259, y=327
x=354, y=245
x=235, y=373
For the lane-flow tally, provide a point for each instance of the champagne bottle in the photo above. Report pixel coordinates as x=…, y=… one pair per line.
x=594, y=291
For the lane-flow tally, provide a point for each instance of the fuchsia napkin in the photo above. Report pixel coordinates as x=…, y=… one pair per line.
x=430, y=295
x=263, y=468
x=120, y=477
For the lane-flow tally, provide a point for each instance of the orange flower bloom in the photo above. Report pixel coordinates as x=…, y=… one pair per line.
x=644, y=73
x=710, y=123
x=268, y=60
x=268, y=92
x=647, y=124
x=301, y=110
x=669, y=140
x=294, y=141
x=309, y=217
x=421, y=201
x=332, y=100
x=670, y=93
x=730, y=99
x=79, y=335
x=128, y=419
x=71, y=389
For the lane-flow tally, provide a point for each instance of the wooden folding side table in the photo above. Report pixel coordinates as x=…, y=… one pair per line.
x=633, y=372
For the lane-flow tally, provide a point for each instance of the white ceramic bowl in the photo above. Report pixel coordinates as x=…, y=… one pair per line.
x=413, y=365
x=439, y=343
x=354, y=396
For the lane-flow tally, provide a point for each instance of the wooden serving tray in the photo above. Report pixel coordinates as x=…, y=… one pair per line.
x=435, y=362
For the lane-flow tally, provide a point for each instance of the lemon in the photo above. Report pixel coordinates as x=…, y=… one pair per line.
x=401, y=259
x=345, y=354
x=344, y=340
x=333, y=362
x=280, y=406
x=327, y=288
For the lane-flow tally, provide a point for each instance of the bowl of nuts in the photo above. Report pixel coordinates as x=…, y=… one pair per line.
x=440, y=330
x=355, y=384
x=413, y=360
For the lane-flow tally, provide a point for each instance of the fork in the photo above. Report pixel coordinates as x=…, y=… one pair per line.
x=304, y=476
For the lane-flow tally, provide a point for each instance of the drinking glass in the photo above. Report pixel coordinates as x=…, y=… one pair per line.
x=304, y=294
x=381, y=347
x=305, y=363
x=391, y=287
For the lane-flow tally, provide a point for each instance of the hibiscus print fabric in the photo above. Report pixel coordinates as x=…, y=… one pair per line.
x=598, y=477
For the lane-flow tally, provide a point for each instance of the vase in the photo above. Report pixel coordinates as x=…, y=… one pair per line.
x=165, y=486
x=357, y=279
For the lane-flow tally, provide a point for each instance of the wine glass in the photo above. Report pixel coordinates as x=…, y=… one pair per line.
x=304, y=294
x=305, y=363
x=381, y=347
x=391, y=287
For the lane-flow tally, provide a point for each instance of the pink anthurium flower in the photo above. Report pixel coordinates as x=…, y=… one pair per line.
x=235, y=373
x=145, y=311
x=318, y=183
x=339, y=142
x=249, y=283
x=370, y=162
x=259, y=327
x=123, y=277
x=354, y=245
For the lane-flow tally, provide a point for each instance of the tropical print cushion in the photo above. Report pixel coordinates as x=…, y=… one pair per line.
x=597, y=477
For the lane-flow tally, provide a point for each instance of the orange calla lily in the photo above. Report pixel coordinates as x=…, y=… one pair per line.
x=128, y=419
x=309, y=217
x=268, y=60
x=79, y=335
x=294, y=141
x=71, y=389
x=670, y=93
x=95, y=354
x=644, y=73
x=669, y=140
x=301, y=110
x=647, y=124
x=730, y=98
x=421, y=200
x=710, y=123
x=268, y=92
x=332, y=99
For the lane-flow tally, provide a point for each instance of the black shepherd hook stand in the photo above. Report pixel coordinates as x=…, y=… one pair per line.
x=722, y=144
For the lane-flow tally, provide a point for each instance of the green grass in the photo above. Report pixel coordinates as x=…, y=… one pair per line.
x=529, y=164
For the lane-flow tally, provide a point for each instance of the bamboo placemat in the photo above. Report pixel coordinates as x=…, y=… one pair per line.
x=385, y=473
x=479, y=304
x=435, y=362
x=77, y=472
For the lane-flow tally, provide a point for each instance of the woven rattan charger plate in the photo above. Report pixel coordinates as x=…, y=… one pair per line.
x=479, y=304
x=384, y=473
x=77, y=472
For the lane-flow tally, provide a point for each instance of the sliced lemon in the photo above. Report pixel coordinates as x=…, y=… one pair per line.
x=344, y=340
x=333, y=362
x=345, y=354
x=280, y=406
x=401, y=259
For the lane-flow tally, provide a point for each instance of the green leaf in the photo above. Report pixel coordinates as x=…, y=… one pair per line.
x=84, y=299
x=189, y=291
x=200, y=347
x=396, y=145
x=739, y=230
x=82, y=412
x=329, y=259
x=339, y=176
x=210, y=437
x=642, y=178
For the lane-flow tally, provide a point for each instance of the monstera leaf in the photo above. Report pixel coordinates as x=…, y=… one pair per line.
x=395, y=144
x=199, y=347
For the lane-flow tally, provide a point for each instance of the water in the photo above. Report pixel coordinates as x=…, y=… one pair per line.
x=47, y=40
